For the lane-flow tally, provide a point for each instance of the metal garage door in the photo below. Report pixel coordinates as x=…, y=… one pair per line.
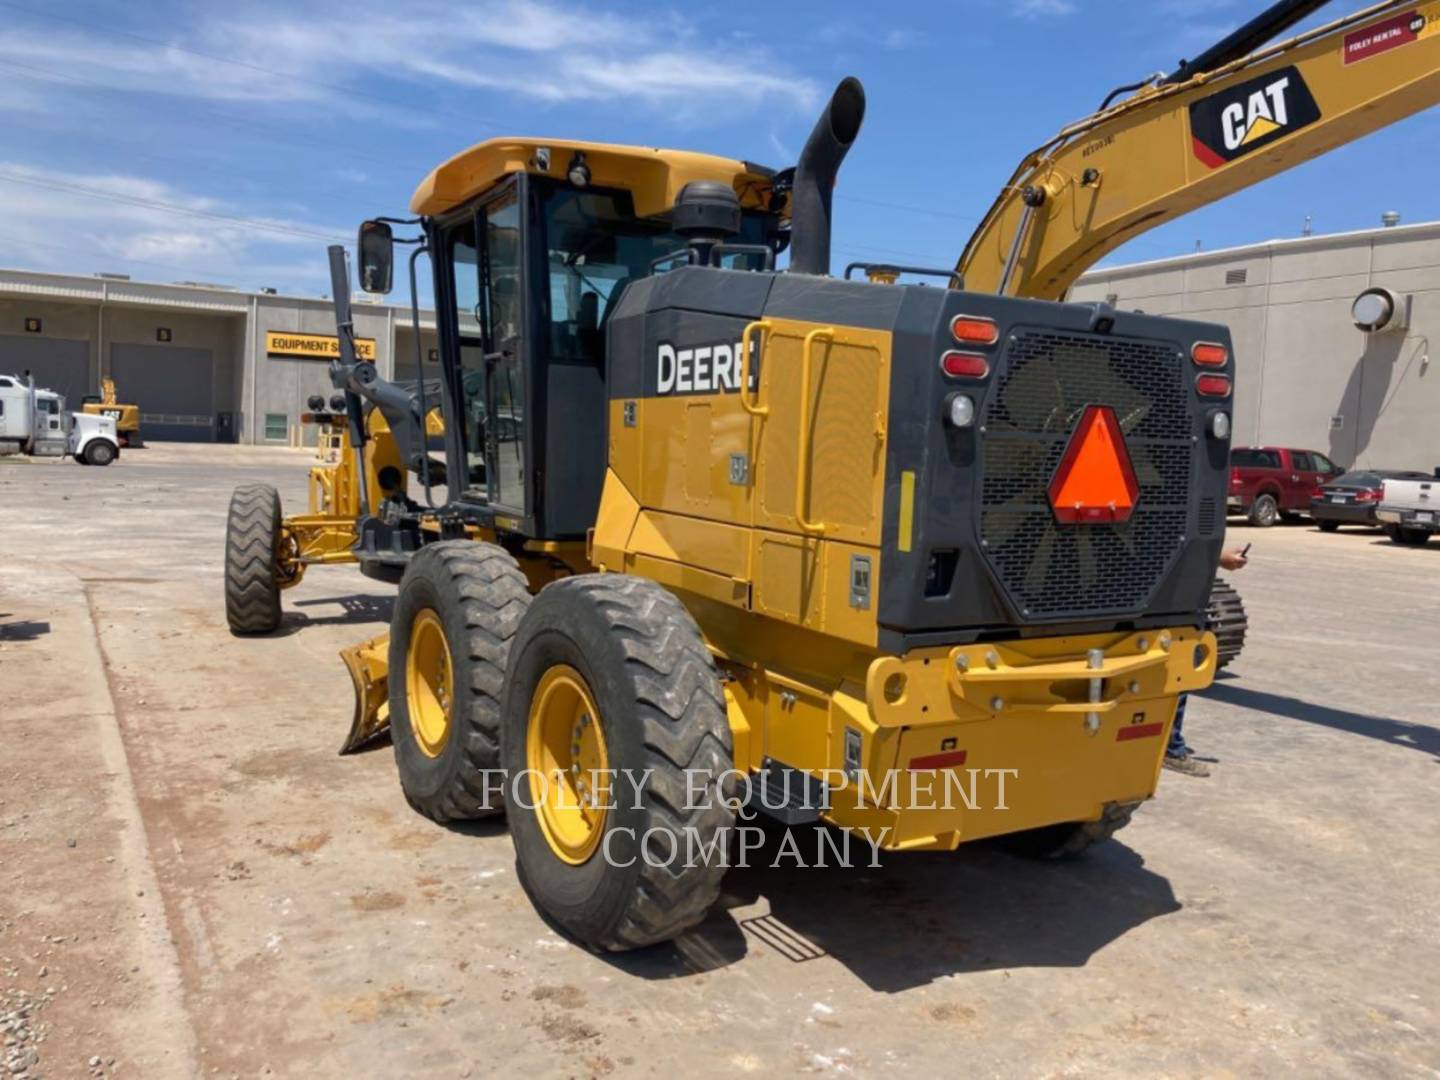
x=62, y=366
x=172, y=386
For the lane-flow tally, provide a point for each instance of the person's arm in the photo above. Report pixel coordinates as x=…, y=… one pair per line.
x=1235, y=558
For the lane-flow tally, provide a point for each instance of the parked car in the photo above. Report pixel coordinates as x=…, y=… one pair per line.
x=1354, y=498
x=1268, y=482
x=1410, y=509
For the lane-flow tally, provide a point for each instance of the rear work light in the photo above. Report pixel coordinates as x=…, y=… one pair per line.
x=1212, y=386
x=1208, y=354
x=972, y=330
x=965, y=365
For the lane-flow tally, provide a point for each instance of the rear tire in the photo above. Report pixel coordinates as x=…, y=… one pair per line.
x=100, y=452
x=1411, y=537
x=474, y=596
x=1226, y=618
x=1329, y=526
x=1067, y=840
x=1264, y=511
x=633, y=648
x=252, y=537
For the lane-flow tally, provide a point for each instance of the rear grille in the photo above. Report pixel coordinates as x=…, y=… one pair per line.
x=1075, y=571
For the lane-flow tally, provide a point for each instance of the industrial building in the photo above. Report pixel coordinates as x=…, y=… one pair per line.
x=205, y=363
x=1306, y=375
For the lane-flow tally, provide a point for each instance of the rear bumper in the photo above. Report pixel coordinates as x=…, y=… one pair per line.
x=1347, y=513
x=982, y=740
x=1417, y=519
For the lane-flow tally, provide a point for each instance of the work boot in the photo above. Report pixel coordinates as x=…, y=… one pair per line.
x=1187, y=764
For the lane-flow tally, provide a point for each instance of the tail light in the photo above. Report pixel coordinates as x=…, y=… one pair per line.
x=1368, y=495
x=1212, y=386
x=1209, y=354
x=965, y=365
x=971, y=330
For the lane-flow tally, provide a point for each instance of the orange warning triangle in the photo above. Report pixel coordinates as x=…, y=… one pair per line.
x=1095, y=481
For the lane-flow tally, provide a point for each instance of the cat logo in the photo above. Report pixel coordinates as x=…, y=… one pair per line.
x=1231, y=124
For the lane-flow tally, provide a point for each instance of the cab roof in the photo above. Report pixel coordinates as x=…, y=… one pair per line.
x=653, y=176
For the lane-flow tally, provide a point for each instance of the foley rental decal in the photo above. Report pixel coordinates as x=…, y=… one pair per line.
x=1391, y=33
x=1252, y=115
x=313, y=346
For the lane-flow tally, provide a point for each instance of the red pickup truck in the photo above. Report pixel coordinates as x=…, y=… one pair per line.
x=1268, y=482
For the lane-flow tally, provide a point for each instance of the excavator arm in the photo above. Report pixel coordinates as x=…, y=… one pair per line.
x=1192, y=139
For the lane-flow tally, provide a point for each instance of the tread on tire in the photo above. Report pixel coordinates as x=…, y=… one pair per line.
x=252, y=588
x=480, y=595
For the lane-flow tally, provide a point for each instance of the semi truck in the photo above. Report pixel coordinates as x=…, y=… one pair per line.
x=34, y=422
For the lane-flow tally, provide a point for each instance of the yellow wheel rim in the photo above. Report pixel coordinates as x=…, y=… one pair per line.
x=567, y=761
x=429, y=683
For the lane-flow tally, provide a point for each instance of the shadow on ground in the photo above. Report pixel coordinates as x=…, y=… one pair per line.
x=921, y=916
x=22, y=629
x=355, y=608
x=1397, y=732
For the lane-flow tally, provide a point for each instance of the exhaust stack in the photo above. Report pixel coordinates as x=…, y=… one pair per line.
x=815, y=172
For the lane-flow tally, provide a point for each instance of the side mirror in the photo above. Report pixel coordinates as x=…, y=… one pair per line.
x=377, y=257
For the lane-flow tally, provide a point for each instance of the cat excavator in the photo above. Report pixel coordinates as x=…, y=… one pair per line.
x=721, y=539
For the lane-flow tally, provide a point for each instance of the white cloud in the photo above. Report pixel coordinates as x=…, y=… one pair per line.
x=1036, y=9
x=538, y=49
x=82, y=222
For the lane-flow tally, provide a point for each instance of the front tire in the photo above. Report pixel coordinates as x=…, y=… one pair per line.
x=459, y=605
x=252, y=561
x=100, y=452
x=1264, y=511
x=610, y=669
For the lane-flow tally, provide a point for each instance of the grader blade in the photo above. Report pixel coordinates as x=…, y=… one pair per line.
x=369, y=666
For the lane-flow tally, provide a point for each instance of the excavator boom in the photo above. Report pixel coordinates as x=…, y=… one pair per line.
x=1177, y=146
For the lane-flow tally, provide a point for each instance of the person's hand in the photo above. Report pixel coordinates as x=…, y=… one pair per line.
x=1234, y=559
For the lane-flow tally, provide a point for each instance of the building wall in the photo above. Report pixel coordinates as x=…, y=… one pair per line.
x=247, y=385
x=1305, y=375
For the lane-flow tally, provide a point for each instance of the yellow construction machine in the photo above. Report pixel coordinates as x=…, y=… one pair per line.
x=126, y=417
x=926, y=565
x=267, y=553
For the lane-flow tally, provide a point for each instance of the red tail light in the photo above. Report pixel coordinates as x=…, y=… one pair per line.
x=971, y=330
x=965, y=365
x=1212, y=386
x=1368, y=495
x=1208, y=354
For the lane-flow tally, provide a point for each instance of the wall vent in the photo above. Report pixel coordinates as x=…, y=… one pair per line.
x=1235, y=277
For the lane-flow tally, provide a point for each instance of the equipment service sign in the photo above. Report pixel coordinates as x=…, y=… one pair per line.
x=314, y=346
x=1252, y=115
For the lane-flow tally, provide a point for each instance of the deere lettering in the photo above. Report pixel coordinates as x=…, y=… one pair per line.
x=1247, y=117
x=699, y=369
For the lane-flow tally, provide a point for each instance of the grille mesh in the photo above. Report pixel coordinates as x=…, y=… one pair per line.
x=1053, y=570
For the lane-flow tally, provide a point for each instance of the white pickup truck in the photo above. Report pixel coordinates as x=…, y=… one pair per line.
x=1410, y=509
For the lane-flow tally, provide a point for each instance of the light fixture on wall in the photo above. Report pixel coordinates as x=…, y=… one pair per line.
x=33, y=326
x=162, y=333
x=434, y=356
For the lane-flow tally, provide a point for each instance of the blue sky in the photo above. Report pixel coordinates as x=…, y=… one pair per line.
x=229, y=142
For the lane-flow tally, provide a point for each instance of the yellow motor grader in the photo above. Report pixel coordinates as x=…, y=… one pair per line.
x=721, y=538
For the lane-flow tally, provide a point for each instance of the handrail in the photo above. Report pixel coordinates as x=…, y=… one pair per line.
x=754, y=408
x=802, y=467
